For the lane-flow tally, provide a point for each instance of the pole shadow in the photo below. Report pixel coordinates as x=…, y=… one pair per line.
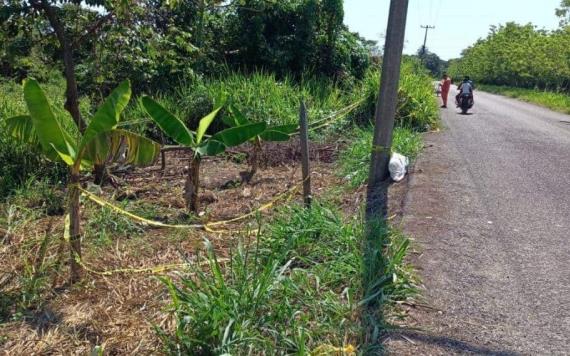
x=448, y=344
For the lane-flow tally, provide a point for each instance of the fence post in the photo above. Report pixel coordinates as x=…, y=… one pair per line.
x=304, y=138
x=162, y=161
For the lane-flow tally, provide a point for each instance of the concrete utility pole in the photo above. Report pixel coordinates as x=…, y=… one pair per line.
x=376, y=202
x=425, y=39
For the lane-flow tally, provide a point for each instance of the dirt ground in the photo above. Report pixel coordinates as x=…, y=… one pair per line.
x=118, y=311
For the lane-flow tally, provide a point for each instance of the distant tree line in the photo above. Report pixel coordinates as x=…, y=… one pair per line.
x=156, y=43
x=521, y=56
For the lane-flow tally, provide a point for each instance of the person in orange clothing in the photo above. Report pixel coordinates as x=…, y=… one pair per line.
x=445, y=85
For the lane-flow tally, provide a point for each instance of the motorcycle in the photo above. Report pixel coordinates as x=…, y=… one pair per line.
x=465, y=102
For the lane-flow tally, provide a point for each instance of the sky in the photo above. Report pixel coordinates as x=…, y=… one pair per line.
x=458, y=23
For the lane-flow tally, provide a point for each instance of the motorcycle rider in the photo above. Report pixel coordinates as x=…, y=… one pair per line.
x=465, y=88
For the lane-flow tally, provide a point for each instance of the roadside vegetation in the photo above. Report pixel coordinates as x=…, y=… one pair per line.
x=240, y=267
x=522, y=61
x=552, y=100
x=519, y=56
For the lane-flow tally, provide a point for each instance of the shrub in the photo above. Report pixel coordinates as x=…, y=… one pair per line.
x=417, y=106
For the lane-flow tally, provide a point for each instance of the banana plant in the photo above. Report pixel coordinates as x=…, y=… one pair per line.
x=100, y=143
x=280, y=133
x=200, y=144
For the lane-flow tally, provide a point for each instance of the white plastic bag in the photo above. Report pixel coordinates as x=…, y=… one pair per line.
x=398, y=166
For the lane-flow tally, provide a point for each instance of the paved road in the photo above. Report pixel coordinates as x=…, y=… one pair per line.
x=489, y=207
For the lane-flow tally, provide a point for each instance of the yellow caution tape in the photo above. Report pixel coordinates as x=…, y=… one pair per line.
x=102, y=202
x=150, y=270
x=337, y=115
x=207, y=227
x=334, y=350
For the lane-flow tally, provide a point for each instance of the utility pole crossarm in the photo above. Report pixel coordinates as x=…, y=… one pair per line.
x=427, y=28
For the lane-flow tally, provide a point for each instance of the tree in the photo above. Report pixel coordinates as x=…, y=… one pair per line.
x=278, y=133
x=563, y=12
x=101, y=141
x=432, y=62
x=200, y=144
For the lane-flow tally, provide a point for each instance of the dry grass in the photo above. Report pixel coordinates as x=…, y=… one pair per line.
x=117, y=312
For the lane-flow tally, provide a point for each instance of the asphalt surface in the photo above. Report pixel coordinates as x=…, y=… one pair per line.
x=489, y=209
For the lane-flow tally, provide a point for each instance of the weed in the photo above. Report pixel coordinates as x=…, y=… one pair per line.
x=104, y=223
x=298, y=289
x=417, y=107
x=216, y=312
x=40, y=195
x=552, y=100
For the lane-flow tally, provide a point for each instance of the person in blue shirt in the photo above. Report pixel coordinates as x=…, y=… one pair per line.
x=465, y=88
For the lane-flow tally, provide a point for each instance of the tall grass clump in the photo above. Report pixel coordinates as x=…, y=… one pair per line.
x=417, y=108
x=260, y=96
x=298, y=289
x=293, y=291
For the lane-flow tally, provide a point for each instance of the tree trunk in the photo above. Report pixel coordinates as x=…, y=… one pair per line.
x=74, y=229
x=253, y=161
x=71, y=93
x=99, y=171
x=192, y=184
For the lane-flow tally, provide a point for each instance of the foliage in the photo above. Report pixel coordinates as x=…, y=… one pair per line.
x=286, y=293
x=435, y=65
x=563, y=12
x=19, y=161
x=101, y=141
x=200, y=144
x=23, y=51
x=417, y=108
x=159, y=45
x=261, y=97
x=295, y=37
x=519, y=56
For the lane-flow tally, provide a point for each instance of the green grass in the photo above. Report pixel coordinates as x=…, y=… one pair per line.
x=312, y=280
x=417, y=108
x=355, y=160
x=552, y=100
x=40, y=195
x=309, y=281
x=260, y=96
x=297, y=289
x=103, y=224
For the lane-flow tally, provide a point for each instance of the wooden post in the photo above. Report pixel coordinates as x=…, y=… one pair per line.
x=162, y=161
x=304, y=137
